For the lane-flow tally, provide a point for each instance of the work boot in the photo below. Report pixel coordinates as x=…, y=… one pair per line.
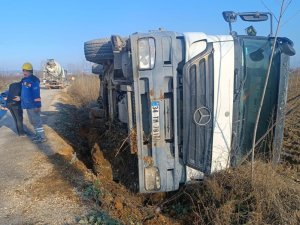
x=35, y=137
x=39, y=140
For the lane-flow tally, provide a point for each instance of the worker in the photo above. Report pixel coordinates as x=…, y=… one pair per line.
x=14, y=105
x=31, y=101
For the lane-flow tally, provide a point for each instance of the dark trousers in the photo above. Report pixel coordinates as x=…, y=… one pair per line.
x=17, y=113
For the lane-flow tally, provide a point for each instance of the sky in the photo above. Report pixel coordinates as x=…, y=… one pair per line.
x=36, y=30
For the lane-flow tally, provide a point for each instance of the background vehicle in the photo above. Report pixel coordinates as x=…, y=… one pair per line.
x=54, y=76
x=193, y=98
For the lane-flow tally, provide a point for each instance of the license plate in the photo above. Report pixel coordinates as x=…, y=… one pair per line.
x=155, y=120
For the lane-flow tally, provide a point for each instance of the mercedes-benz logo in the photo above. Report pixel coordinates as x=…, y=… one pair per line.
x=202, y=116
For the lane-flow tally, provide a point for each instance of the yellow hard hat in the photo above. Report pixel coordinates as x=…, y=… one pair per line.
x=27, y=66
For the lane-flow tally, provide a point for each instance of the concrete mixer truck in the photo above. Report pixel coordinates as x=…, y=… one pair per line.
x=54, y=76
x=192, y=98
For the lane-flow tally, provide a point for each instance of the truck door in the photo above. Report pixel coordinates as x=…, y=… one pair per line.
x=198, y=103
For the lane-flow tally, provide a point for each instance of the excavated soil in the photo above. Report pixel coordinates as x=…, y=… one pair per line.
x=104, y=150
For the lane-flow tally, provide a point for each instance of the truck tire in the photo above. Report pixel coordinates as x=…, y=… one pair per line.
x=98, y=50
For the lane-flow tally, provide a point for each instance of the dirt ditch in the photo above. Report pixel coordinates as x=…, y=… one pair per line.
x=104, y=150
x=116, y=169
x=227, y=197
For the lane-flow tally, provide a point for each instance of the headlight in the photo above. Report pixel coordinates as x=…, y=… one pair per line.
x=152, y=178
x=146, y=49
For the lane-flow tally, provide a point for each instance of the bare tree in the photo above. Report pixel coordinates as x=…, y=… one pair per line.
x=283, y=8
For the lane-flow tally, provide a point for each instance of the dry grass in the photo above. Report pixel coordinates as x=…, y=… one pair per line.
x=133, y=141
x=294, y=81
x=6, y=80
x=273, y=197
x=85, y=89
x=230, y=197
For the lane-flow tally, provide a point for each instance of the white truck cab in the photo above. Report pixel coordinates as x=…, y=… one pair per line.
x=193, y=98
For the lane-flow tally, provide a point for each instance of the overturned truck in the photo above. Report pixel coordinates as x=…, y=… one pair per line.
x=193, y=98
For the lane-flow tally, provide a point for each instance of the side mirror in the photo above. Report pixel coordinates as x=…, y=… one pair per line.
x=254, y=17
x=229, y=16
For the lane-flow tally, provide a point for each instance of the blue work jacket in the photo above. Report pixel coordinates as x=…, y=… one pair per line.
x=30, y=92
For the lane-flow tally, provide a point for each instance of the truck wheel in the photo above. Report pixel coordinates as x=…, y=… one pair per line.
x=98, y=50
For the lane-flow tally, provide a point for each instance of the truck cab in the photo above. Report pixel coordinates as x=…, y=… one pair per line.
x=192, y=99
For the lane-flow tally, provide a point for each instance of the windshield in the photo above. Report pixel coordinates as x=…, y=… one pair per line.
x=256, y=57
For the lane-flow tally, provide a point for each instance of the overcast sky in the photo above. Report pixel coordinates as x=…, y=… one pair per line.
x=35, y=30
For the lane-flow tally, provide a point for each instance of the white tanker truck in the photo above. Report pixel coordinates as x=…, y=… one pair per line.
x=54, y=76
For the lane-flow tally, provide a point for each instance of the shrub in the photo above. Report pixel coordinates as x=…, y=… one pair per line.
x=6, y=80
x=231, y=197
x=84, y=89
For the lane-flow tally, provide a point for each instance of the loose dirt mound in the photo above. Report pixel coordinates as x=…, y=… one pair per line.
x=116, y=169
x=104, y=150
